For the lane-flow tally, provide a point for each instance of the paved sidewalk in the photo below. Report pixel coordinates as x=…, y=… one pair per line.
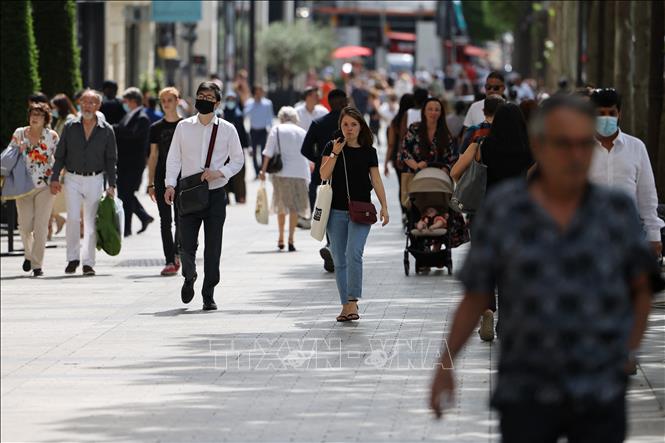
x=118, y=357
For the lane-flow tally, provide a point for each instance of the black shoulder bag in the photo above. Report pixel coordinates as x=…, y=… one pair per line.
x=275, y=163
x=193, y=196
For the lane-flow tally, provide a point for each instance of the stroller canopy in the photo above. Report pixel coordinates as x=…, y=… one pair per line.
x=431, y=180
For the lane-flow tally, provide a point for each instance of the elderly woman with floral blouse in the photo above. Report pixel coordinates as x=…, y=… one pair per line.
x=37, y=144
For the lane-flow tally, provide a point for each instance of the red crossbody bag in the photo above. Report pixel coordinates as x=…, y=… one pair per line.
x=359, y=212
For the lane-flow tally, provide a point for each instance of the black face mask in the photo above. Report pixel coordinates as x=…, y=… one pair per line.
x=204, y=106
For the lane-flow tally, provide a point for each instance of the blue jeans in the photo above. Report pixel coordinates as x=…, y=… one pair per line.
x=347, y=242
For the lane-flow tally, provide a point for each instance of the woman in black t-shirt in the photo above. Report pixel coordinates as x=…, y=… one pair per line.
x=347, y=238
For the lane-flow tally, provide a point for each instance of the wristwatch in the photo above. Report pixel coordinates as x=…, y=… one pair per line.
x=333, y=155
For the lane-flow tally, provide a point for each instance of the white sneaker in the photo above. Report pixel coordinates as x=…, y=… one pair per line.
x=486, y=330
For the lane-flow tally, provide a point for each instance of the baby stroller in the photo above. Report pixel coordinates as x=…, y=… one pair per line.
x=431, y=187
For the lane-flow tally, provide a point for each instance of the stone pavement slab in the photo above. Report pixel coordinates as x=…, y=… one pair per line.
x=118, y=357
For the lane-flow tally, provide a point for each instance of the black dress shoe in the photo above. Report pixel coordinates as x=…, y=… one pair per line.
x=37, y=272
x=87, y=270
x=145, y=224
x=27, y=265
x=209, y=303
x=187, y=291
x=71, y=267
x=328, y=263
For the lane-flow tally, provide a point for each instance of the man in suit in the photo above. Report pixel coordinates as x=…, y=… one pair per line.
x=321, y=131
x=112, y=107
x=132, y=135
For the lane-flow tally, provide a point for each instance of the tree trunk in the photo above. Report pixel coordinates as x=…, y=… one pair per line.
x=592, y=47
x=641, y=30
x=606, y=77
x=656, y=138
x=623, y=63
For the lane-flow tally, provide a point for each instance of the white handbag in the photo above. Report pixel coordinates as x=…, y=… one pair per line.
x=321, y=210
x=262, y=211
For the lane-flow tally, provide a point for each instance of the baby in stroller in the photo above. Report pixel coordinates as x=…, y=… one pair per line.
x=432, y=220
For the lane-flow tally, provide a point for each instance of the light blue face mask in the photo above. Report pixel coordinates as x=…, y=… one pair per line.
x=607, y=126
x=125, y=106
x=78, y=108
x=55, y=114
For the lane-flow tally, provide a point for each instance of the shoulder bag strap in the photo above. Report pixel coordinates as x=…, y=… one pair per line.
x=480, y=152
x=346, y=177
x=211, y=146
x=279, y=146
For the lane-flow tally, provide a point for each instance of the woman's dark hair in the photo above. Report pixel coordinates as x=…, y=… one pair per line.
x=405, y=103
x=210, y=86
x=420, y=96
x=64, y=106
x=442, y=134
x=41, y=108
x=365, y=137
x=508, y=133
x=38, y=97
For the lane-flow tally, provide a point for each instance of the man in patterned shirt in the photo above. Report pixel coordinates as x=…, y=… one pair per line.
x=571, y=318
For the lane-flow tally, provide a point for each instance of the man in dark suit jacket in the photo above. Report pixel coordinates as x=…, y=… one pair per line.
x=321, y=131
x=233, y=114
x=111, y=105
x=132, y=137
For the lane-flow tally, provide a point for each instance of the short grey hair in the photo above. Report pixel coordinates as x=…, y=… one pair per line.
x=550, y=105
x=288, y=114
x=133, y=93
x=93, y=93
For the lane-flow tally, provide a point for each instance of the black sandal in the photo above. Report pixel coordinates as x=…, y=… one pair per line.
x=353, y=315
x=280, y=245
x=342, y=318
x=292, y=248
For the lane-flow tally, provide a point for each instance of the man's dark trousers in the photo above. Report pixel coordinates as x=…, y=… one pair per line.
x=259, y=138
x=128, y=183
x=528, y=423
x=213, y=225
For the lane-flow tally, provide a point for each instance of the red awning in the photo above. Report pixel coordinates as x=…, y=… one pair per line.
x=402, y=36
x=351, y=51
x=475, y=51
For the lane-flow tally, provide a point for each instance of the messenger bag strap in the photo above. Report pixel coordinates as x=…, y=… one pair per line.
x=211, y=146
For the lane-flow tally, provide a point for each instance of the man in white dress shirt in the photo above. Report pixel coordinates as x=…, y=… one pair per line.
x=187, y=156
x=622, y=161
x=311, y=109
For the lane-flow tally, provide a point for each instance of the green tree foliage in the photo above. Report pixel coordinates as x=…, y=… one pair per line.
x=55, y=33
x=487, y=19
x=19, y=76
x=292, y=48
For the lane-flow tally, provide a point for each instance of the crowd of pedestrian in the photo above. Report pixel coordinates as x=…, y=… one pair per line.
x=561, y=182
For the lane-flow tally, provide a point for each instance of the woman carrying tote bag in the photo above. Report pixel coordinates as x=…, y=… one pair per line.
x=352, y=164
